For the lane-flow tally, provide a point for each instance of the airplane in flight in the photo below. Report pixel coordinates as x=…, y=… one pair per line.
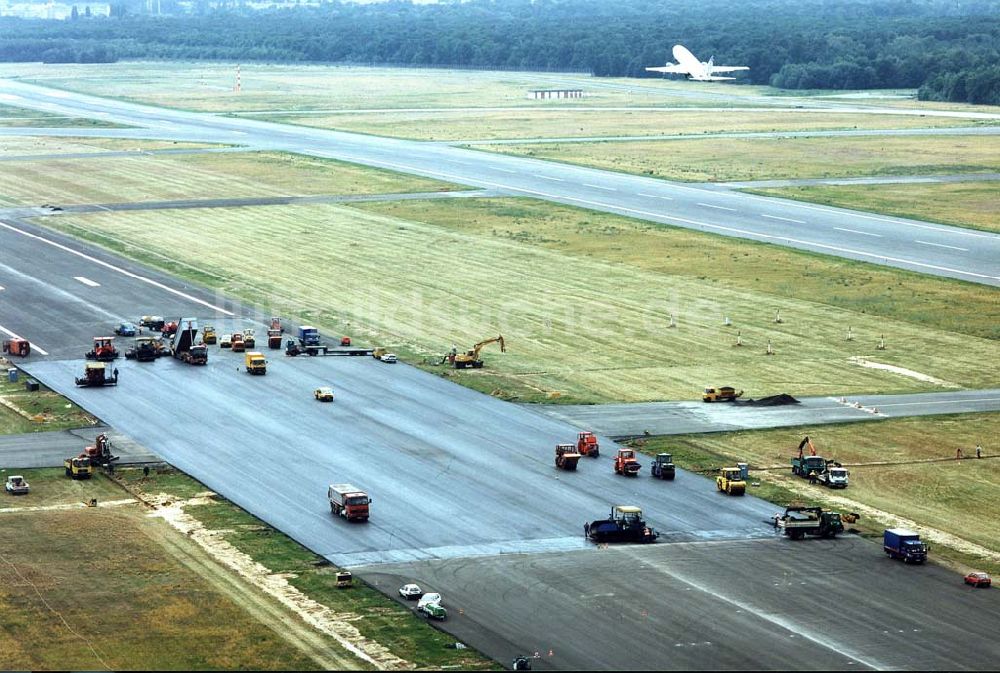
x=694, y=69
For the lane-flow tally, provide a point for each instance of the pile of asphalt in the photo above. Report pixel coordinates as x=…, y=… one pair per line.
x=772, y=401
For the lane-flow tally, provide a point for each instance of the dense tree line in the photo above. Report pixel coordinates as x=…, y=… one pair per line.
x=948, y=48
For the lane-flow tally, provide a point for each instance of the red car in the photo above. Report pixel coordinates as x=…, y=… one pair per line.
x=978, y=579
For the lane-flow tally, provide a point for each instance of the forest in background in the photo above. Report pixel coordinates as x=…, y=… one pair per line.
x=948, y=49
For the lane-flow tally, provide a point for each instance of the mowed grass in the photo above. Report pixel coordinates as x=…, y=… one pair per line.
x=965, y=204
x=42, y=409
x=29, y=145
x=374, y=615
x=93, y=589
x=740, y=159
x=195, y=176
x=584, y=299
x=52, y=487
x=472, y=124
x=957, y=497
x=23, y=117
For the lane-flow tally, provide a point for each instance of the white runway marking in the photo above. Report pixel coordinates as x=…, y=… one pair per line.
x=546, y=177
x=87, y=281
x=709, y=205
x=505, y=170
x=783, y=219
x=654, y=196
x=855, y=231
x=942, y=245
x=607, y=189
x=34, y=346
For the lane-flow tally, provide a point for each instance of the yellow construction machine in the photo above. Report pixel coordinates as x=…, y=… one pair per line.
x=471, y=358
x=731, y=481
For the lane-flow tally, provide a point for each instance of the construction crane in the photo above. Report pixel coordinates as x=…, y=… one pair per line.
x=470, y=358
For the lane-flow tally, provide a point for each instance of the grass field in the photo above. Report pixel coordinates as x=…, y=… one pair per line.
x=30, y=145
x=22, y=117
x=105, y=589
x=956, y=497
x=195, y=176
x=734, y=159
x=473, y=124
x=23, y=411
x=584, y=299
x=966, y=204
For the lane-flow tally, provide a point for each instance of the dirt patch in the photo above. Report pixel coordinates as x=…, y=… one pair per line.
x=902, y=371
x=276, y=585
x=74, y=505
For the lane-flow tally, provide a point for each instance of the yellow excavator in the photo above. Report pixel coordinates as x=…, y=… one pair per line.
x=471, y=358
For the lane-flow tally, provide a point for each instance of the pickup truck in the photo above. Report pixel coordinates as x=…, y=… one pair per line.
x=16, y=485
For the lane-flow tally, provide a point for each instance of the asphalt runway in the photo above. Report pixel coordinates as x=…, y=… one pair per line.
x=49, y=449
x=919, y=246
x=768, y=604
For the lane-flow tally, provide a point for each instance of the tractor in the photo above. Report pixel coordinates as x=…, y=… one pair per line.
x=17, y=346
x=663, y=467
x=731, y=481
x=104, y=350
x=96, y=374
x=566, y=456
x=586, y=444
x=626, y=463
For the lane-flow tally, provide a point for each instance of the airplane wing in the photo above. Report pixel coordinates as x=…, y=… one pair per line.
x=670, y=68
x=728, y=68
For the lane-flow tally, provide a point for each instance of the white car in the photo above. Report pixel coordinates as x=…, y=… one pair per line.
x=16, y=485
x=388, y=357
x=410, y=592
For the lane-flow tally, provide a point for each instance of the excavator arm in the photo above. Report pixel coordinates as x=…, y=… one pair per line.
x=479, y=346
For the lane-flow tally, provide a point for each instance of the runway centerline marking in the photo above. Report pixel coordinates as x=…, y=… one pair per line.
x=33, y=345
x=607, y=189
x=942, y=245
x=709, y=205
x=124, y=272
x=505, y=170
x=783, y=219
x=548, y=177
x=654, y=196
x=855, y=231
x=86, y=281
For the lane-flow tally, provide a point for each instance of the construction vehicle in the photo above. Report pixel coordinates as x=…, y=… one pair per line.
x=16, y=485
x=471, y=358
x=276, y=324
x=104, y=350
x=521, y=663
x=153, y=322
x=834, y=475
x=17, y=346
x=249, y=338
x=899, y=543
x=100, y=453
x=96, y=374
x=663, y=466
x=169, y=329
x=626, y=463
x=144, y=349
x=324, y=394
x=731, y=481
x=818, y=469
x=273, y=339
x=226, y=341
x=566, y=456
x=344, y=579
x=429, y=605
x=345, y=341
x=349, y=502
x=255, y=363
x=183, y=346
x=723, y=394
x=309, y=342
x=798, y=521
x=208, y=334
x=78, y=467
x=624, y=525
x=236, y=343
x=586, y=444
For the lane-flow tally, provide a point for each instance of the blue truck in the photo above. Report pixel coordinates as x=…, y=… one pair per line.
x=900, y=543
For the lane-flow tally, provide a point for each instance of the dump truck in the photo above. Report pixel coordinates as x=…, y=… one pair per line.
x=274, y=339
x=798, y=521
x=208, y=334
x=566, y=457
x=818, y=469
x=730, y=481
x=153, y=322
x=16, y=485
x=348, y=501
x=626, y=463
x=144, y=349
x=722, y=394
x=900, y=543
x=834, y=475
x=78, y=467
x=183, y=345
x=104, y=350
x=254, y=363
x=624, y=525
x=96, y=374
x=587, y=445
x=663, y=466
x=470, y=358
x=17, y=346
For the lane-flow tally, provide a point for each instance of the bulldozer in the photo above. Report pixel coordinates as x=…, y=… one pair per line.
x=626, y=463
x=471, y=358
x=586, y=444
x=566, y=457
x=17, y=346
x=96, y=374
x=104, y=350
x=731, y=481
x=624, y=525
